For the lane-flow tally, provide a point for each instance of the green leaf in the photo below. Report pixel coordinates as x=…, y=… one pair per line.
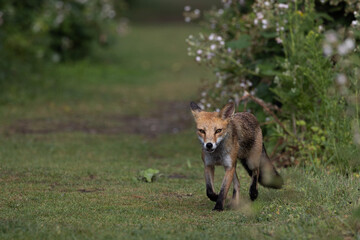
x=244, y=41
x=269, y=34
x=301, y=123
x=315, y=129
x=149, y=174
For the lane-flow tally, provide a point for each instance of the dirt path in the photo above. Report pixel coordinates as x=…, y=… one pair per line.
x=173, y=117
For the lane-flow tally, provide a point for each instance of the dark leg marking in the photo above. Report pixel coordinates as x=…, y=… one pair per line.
x=219, y=206
x=228, y=179
x=253, y=188
x=210, y=193
x=234, y=193
x=236, y=184
x=244, y=163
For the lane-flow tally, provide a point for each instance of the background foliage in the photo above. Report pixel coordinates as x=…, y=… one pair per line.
x=298, y=60
x=36, y=31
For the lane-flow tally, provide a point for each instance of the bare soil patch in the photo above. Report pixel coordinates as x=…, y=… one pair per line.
x=173, y=117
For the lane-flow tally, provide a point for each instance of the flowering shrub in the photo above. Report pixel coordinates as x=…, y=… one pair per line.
x=297, y=61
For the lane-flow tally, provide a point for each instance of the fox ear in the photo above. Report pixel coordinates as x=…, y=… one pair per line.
x=227, y=111
x=194, y=108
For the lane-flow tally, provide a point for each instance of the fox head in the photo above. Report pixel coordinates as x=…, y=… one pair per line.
x=212, y=127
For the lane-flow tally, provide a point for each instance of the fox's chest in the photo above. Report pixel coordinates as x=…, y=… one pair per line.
x=222, y=160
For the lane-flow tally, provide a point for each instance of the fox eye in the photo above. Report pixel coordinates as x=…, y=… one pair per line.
x=202, y=131
x=218, y=131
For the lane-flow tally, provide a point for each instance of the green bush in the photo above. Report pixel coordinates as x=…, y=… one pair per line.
x=298, y=62
x=33, y=32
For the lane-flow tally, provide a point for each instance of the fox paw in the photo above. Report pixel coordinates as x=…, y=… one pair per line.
x=218, y=207
x=212, y=196
x=253, y=194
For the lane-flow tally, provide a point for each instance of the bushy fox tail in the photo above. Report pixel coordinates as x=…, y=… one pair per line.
x=268, y=176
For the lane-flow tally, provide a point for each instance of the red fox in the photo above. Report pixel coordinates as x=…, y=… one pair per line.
x=226, y=136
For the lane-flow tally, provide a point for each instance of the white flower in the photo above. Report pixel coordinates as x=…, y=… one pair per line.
x=321, y=28
x=219, y=38
x=220, y=11
x=342, y=50
x=211, y=36
x=203, y=94
x=256, y=21
x=264, y=26
x=187, y=19
x=341, y=79
x=278, y=40
x=264, y=21
x=213, y=47
x=199, y=51
x=331, y=37
x=259, y=15
x=355, y=23
x=229, y=50
x=218, y=84
x=242, y=85
x=327, y=49
x=267, y=3
x=346, y=47
x=187, y=8
x=208, y=105
x=210, y=55
x=282, y=5
x=198, y=58
x=197, y=11
x=350, y=44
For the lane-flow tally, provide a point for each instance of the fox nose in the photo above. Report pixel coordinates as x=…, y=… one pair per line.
x=209, y=146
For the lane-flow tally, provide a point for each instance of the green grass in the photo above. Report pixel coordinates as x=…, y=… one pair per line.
x=78, y=185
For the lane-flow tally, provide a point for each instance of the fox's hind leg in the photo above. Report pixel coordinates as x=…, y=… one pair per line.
x=236, y=186
x=254, y=174
x=254, y=185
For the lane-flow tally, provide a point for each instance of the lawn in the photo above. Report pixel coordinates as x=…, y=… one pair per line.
x=71, y=155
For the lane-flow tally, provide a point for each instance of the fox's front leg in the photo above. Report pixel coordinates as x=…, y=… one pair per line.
x=228, y=178
x=209, y=179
